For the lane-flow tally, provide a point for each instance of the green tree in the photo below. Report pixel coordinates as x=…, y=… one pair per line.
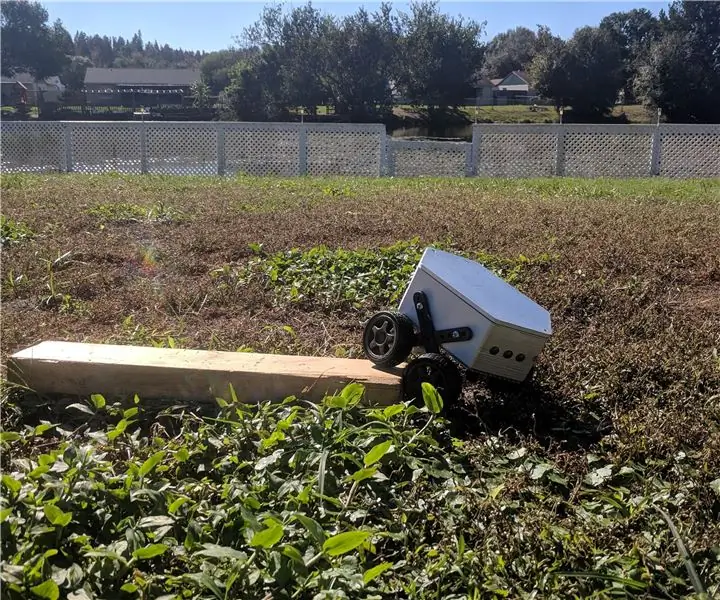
x=680, y=72
x=634, y=31
x=216, y=67
x=512, y=50
x=73, y=74
x=437, y=57
x=359, y=61
x=29, y=44
x=586, y=72
x=548, y=70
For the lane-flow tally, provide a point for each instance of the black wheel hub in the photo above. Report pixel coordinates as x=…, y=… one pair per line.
x=383, y=337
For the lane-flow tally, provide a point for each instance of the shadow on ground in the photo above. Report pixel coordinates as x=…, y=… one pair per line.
x=530, y=409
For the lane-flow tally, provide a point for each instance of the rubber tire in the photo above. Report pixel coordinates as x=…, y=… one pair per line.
x=404, y=339
x=445, y=377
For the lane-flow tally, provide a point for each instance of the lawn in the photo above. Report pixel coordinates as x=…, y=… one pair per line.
x=600, y=477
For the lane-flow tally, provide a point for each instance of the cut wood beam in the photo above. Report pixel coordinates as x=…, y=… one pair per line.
x=71, y=368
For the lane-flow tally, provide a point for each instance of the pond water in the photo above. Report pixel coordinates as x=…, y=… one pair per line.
x=449, y=132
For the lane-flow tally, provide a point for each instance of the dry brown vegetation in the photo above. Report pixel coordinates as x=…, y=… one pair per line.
x=633, y=284
x=630, y=271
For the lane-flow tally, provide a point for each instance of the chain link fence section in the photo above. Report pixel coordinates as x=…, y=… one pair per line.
x=33, y=147
x=689, y=151
x=428, y=159
x=515, y=150
x=607, y=151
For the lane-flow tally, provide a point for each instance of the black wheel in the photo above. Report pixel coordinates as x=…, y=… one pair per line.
x=436, y=369
x=388, y=338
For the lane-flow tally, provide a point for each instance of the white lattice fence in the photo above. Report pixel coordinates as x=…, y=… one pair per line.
x=33, y=147
x=261, y=149
x=182, y=148
x=607, y=150
x=689, y=151
x=345, y=149
x=288, y=149
x=104, y=148
x=515, y=150
x=428, y=158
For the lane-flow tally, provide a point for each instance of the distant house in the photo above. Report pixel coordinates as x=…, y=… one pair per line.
x=514, y=88
x=23, y=86
x=138, y=87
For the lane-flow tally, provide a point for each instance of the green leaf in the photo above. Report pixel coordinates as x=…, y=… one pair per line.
x=540, y=470
x=4, y=514
x=371, y=574
x=47, y=589
x=345, y=542
x=715, y=486
x=130, y=412
x=377, y=452
x=207, y=582
x=312, y=526
x=432, y=398
x=42, y=428
x=56, y=516
x=150, y=551
x=98, y=401
x=294, y=554
x=81, y=408
x=268, y=537
x=130, y=588
x=599, y=476
x=353, y=393
x=182, y=455
x=151, y=463
x=215, y=551
x=362, y=474
x=173, y=508
x=12, y=484
x=9, y=436
x=119, y=429
x=393, y=410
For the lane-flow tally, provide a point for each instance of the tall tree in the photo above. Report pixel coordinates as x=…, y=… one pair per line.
x=586, y=72
x=216, y=67
x=634, y=31
x=680, y=72
x=512, y=50
x=28, y=43
x=359, y=61
x=438, y=56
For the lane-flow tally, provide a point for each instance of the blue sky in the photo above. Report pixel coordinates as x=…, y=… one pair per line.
x=213, y=25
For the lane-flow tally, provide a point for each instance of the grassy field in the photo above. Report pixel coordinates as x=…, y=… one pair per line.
x=544, y=114
x=598, y=478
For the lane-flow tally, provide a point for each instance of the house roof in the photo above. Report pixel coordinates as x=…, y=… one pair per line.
x=496, y=81
x=159, y=77
x=521, y=74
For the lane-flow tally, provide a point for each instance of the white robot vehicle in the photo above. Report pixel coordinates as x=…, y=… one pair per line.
x=460, y=313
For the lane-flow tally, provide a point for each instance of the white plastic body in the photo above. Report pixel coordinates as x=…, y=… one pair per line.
x=463, y=293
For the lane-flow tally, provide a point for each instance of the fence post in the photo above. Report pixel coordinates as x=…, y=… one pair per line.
x=143, y=148
x=302, y=150
x=220, y=136
x=655, y=160
x=384, y=168
x=390, y=156
x=474, y=150
x=68, y=148
x=560, y=151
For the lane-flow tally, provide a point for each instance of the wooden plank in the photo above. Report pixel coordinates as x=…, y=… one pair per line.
x=71, y=368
